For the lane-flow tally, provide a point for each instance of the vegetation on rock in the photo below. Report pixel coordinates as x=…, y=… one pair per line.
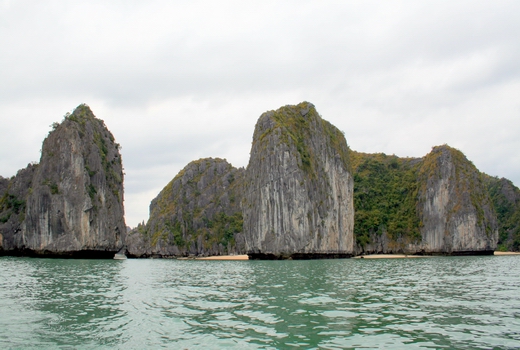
x=71, y=202
x=197, y=213
x=298, y=123
x=298, y=187
x=506, y=200
x=421, y=205
x=385, y=197
x=297, y=196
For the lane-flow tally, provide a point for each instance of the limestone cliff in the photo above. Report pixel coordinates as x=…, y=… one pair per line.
x=14, y=192
x=438, y=204
x=454, y=206
x=197, y=213
x=297, y=199
x=298, y=187
x=72, y=202
x=506, y=199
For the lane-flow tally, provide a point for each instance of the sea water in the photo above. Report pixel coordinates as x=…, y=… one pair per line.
x=436, y=303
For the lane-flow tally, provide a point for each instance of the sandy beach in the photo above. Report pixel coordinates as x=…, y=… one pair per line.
x=403, y=256
x=225, y=257
x=390, y=256
x=507, y=253
x=372, y=256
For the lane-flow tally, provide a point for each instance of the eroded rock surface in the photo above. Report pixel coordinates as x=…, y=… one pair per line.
x=198, y=213
x=298, y=188
x=454, y=205
x=71, y=203
x=506, y=199
x=438, y=204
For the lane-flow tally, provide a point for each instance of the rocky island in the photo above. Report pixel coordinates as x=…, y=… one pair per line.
x=71, y=203
x=198, y=213
x=304, y=194
x=294, y=199
x=438, y=204
x=298, y=188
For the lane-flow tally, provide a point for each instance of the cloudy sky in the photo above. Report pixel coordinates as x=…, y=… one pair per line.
x=180, y=80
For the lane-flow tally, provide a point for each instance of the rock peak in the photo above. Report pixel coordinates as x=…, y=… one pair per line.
x=298, y=200
x=74, y=202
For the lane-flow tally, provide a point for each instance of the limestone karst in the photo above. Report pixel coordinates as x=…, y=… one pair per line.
x=438, y=204
x=303, y=194
x=294, y=199
x=454, y=206
x=71, y=203
x=298, y=187
x=197, y=213
x=506, y=201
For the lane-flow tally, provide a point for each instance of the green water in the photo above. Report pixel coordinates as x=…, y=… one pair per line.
x=437, y=303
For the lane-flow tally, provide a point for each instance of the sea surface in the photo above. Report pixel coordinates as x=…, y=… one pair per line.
x=436, y=303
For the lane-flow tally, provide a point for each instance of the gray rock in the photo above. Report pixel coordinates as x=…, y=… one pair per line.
x=506, y=200
x=438, y=204
x=73, y=204
x=454, y=205
x=14, y=192
x=198, y=213
x=298, y=188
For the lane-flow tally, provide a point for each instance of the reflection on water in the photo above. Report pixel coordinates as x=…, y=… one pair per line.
x=444, y=302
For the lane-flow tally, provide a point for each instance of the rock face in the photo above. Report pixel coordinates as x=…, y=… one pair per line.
x=197, y=213
x=72, y=202
x=506, y=199
x=435, y=205
x=454, y=205
x=297, y=196
x=296, y=199
x=298, y=188
x=13, y=203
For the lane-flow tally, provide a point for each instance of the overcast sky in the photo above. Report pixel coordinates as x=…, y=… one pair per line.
x=180, y=80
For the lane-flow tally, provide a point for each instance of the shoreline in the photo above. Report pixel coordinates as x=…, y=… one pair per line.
x=243, y=257
x=219, y=257
x=391, y=256
x=506, y=253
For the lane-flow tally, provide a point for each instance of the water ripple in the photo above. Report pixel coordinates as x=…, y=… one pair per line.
x=444, y=302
